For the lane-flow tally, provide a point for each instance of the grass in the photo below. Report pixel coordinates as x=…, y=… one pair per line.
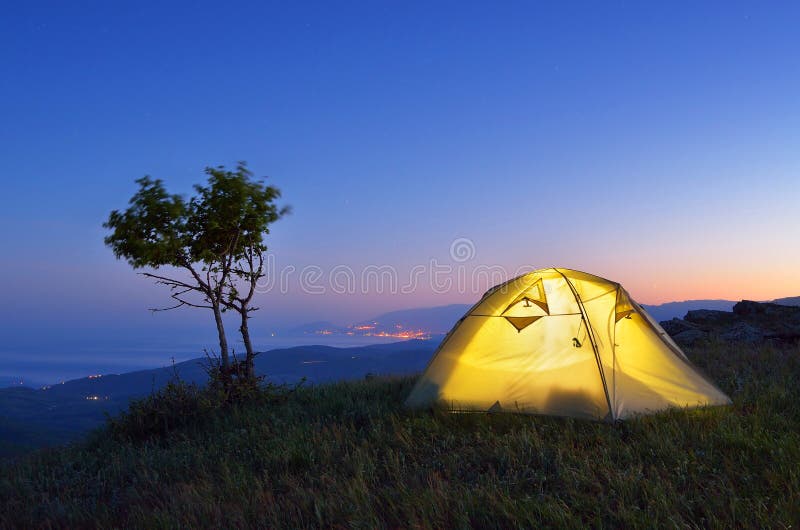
x=348, y=456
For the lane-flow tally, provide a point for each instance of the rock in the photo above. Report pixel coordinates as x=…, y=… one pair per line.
x=708, y=318
x=747, y=308
x=676, y=326
x=689, y=336
x=743, y=332
x=748, y=322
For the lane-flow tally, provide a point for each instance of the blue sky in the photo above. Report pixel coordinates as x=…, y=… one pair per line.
x=653, y=144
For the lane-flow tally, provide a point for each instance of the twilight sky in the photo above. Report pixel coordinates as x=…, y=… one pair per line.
x=658, y=146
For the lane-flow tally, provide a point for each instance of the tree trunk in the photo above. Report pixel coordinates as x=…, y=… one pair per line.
x=248, y=346
x=223, y=341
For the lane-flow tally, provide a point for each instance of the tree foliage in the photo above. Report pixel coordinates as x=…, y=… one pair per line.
x=152, y=232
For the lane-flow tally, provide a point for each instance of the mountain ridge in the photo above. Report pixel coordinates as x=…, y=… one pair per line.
x=440, y=319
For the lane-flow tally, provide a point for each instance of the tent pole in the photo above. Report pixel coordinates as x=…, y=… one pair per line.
x=590, y=333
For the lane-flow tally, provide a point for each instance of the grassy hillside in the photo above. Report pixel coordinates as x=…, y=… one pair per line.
x=348, y=455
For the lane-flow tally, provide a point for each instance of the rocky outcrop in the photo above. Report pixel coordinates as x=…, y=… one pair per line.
x=676, y=326
x=750, y=322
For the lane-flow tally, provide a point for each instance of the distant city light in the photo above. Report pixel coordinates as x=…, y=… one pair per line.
x=396, y=331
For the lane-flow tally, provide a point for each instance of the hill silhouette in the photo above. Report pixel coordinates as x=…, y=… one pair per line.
x=440, y=319
x=34, y=417
x=790, y=300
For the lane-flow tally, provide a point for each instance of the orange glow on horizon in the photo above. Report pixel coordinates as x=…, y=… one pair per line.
x=725, y=285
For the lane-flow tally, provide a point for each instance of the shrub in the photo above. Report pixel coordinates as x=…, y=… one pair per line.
x=175, y=405
x=179, y=404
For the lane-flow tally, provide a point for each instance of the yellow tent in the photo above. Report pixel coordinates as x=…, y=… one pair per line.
x=564, y=343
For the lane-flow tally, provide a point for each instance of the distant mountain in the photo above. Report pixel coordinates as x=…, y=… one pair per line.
x=6, y=381
x=407, y=323
x=315, y=328
x=437, y=320
x=34, y=417
x=791, y=300
x=416, y=323
x=672, y=310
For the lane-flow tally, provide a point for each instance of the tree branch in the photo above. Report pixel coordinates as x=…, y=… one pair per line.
x=170, y=281
x=180, y=303
x=203, y=285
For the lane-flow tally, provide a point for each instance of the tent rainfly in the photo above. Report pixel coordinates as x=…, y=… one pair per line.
x=564, y=343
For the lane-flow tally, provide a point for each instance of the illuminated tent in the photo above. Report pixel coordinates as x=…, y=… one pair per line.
x=563, y=343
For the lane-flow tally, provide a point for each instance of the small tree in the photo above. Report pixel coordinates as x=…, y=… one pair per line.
x=214, y=237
